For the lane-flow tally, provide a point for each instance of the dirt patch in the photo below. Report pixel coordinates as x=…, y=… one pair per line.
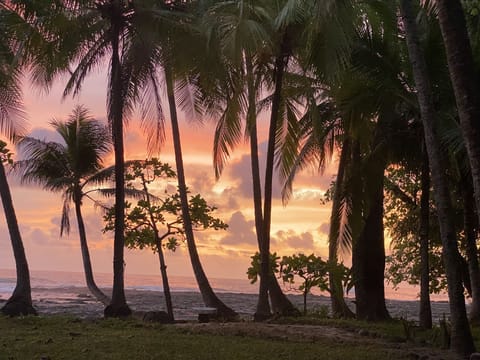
x=317, y=333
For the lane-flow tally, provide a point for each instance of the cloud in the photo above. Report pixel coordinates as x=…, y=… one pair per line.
x=289, y=238
x=324, y=229
x=241, y=172
x=240, y=231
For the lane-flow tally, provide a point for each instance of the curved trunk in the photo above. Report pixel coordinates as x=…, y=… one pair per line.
x=87, y=264
x=461, y=336
x=425, y=314
x=471, y=234
x=118, y=306
x=20, y=303
x=339, y=306
x=280, y=63
x=464, y=80
x=209, y=297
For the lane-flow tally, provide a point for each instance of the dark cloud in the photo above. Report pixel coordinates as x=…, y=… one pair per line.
x=240, y=231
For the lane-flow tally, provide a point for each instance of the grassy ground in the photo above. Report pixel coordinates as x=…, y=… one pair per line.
x=52, y=338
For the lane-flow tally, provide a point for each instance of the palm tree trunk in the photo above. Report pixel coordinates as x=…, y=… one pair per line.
x=461, y=336
x=118, y=306
x=368, y=254
x=339, y=307
x=209, y=297
x=425, y=314
x=471, y=234
x=464, y=80
x=280, y=63
x=20, y=303
x=263, y=306
x=87, y=264
x=280, y=303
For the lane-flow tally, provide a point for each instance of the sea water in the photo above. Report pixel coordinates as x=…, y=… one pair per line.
x=58, y=280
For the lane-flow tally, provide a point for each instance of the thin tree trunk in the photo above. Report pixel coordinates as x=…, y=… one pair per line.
x=118, y=306
x=280, y=63
x=280, y=303
x=263, y=306
x=471, y=235
x=165, y=284
x=464, y=80
x=425, y=314
x=20, y=303
x=209, y=297
x=339, y=307
x=161, y=257
x=461, y=336
x=87, y=264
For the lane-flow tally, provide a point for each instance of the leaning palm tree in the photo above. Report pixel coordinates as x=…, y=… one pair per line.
x=461, y=337
x=70, y=167
x=11, y=118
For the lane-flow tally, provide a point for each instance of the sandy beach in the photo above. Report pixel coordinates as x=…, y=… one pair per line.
x=77, y=301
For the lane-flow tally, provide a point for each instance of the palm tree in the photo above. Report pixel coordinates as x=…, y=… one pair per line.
x=461, y=337
x=119, y=32
x=460, y=59
x=70, y=167
x=239, y=35
x=11, y=118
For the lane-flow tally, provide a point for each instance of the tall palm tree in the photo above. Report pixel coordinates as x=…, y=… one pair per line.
x=70, y=167
x=460, y=59
x=11, y=119
x=209, y=297
x=239, y=33
x=117, y=32
x=461, y=337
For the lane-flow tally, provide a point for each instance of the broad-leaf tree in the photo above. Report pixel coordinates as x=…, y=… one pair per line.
x=156, y=222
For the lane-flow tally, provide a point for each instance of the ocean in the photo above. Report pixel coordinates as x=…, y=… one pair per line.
x=58, y=280
x=61, y=292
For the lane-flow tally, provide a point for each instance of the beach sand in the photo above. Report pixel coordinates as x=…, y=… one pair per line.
x=77, y=301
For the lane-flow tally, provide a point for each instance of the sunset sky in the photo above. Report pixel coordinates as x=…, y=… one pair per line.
x=301, y=226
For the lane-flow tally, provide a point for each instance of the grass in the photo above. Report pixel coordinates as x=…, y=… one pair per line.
x=53, y=338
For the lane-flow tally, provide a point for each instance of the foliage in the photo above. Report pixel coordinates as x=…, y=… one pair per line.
x=253, y=271
x=150, y=212
x=401, y=219
x=5, y=154
x=312, y=269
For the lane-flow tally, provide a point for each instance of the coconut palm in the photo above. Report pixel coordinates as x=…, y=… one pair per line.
x=461, y=65
x=117, y=32
x=11, y=121
x=70, y=168
x=170, y=50
x=461, y=337
x=239, y=33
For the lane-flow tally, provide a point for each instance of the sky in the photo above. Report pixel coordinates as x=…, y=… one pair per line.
x=301, y=226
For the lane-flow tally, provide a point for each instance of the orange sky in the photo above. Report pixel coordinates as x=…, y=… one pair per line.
x=302, y=226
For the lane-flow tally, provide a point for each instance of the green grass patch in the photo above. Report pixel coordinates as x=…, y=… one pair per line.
x=56, y=338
